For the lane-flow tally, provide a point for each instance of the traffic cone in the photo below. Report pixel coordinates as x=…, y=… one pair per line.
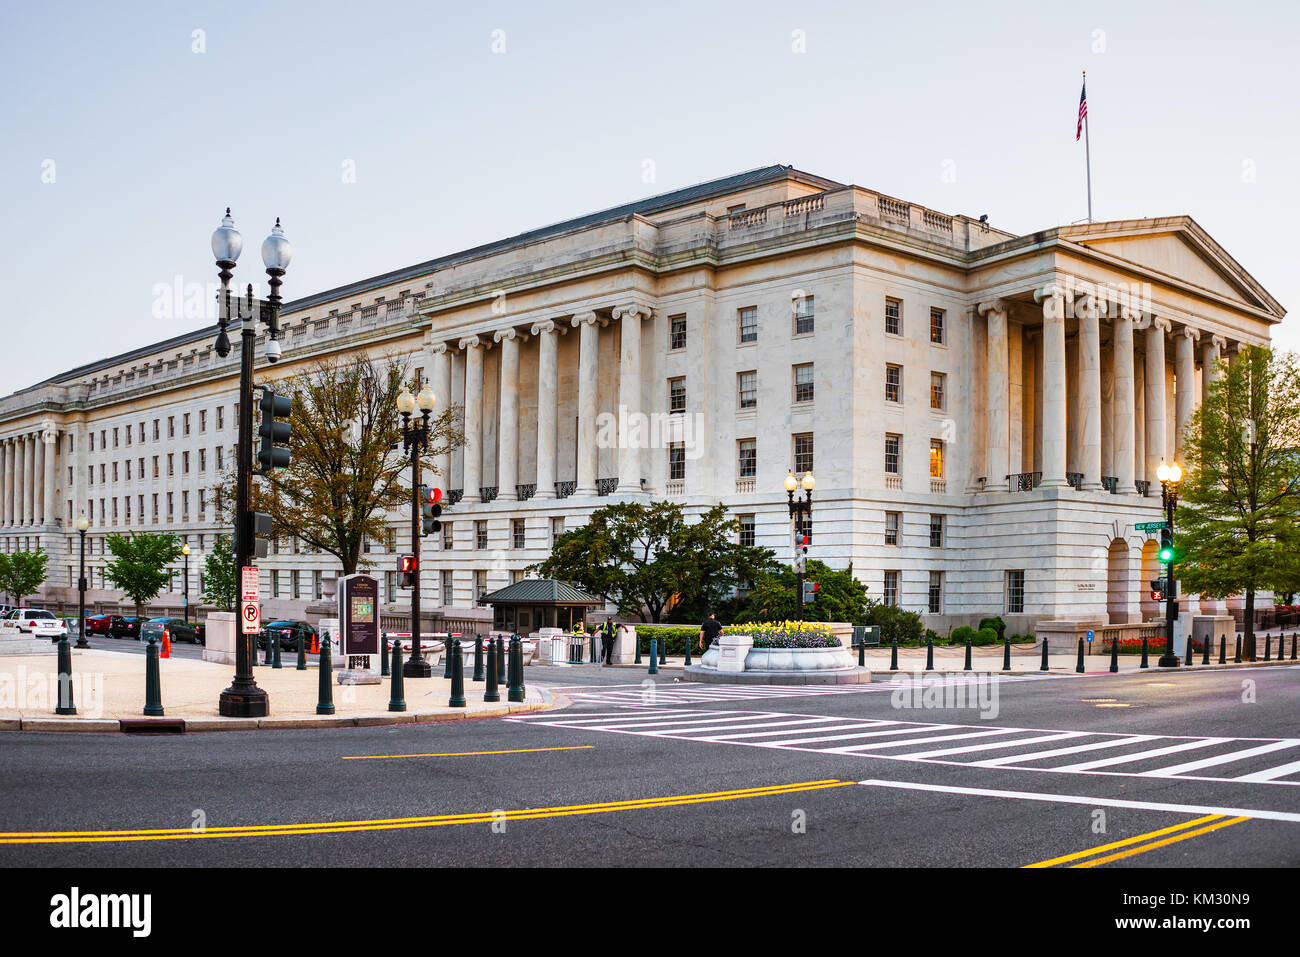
x=166, y=644
x=315, y=644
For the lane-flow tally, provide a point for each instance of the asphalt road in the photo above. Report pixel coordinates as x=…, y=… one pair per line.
x=679, y=775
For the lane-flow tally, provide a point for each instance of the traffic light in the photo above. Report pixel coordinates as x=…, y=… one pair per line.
x=259, y=527
x=430, y=509
x=800, y=552
x=809, y=591
x=408, y=565
x=1166, y=545
x=274, y=433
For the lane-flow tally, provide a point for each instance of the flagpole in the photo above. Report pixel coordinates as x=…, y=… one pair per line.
x=1087, y=151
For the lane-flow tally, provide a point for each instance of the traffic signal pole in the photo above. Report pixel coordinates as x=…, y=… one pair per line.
x=1169, y=659
x=417, y=666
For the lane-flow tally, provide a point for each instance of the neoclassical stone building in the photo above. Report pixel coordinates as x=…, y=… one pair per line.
x=983, y=411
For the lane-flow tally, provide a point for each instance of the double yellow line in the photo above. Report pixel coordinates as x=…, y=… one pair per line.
x=386, y=824
x=1178, y=832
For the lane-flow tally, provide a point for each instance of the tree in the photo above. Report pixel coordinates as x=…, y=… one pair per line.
x=21, y=573
x=346, y=464
x=840, y=596
x=139, y=565
x=1238, y=527
x=220, y=577
x=648, y=559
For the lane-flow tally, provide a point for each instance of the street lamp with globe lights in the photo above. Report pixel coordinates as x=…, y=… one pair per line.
x=185, y=581
x=1169, y=475
x=244, y=699
x=83, y=524
x=415, y=439
x=801, y=512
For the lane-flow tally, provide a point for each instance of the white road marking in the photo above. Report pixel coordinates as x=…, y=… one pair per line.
x=993, y=746
x=1055, y=752
x=1178, y=769
x=1142, y=755
x=1271, y=774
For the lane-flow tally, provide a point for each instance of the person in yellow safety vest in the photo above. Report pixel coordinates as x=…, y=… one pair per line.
x=580, y=635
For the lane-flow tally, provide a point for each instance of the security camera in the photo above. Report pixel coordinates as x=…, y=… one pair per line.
x=272, y=351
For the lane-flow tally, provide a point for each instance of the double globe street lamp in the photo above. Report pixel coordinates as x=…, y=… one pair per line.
x=244, y=699
x=83, y=524
x=801, y=512
x=1169, y=475
x=415, y=440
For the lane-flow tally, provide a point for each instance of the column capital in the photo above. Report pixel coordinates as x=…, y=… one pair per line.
x=992, y=305
x=1189, y=333
x=472, y=342
x=546, y=325
x=633, y=311
x=1219, y=342
x=1150, y=320
x=1088, y=306
x=1129, y=314
x=1052, y=297
x=501, y=335
x=438, y=349
x=585, y=319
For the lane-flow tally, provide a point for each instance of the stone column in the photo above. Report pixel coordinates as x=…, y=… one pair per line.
x=38, y=479
x=1139, y=418
x=1156, y=327
x=630, y=441
x=1211, y=352
x=1090, y=391
x=1052, y=298
x=29, y=479
x=440, y=379
x=4, y=482
x=548, y=388
x=1108, y=407
x=1185, y=385
x=51, y=440
x=997, y=463
x=1123, y=405
x=508, y=427
x=14, y=462
x=586, y=323
x=472, y=471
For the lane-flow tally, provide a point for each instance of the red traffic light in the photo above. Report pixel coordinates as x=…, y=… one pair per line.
x=407, y=563
x=434, y=495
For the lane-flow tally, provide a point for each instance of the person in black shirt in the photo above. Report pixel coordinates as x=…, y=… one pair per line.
x=710, y=630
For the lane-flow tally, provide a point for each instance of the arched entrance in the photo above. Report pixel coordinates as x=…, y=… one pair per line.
x=1119, y=582
x=1150, y=569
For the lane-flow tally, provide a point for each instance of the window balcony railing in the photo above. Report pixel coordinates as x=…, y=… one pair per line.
x=675, y=487
x=454, y=495
x=1024, y=481
x=744, y=485
x=525, y=492
x=938, y=486
x=487, y=493
x=565, y=489
x=893, y=481
x=606, y=486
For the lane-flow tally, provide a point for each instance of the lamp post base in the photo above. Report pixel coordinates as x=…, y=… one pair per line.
x=417, y=668
x=250, y=702
x=1168, y=660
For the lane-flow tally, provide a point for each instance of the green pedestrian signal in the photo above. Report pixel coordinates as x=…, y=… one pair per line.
x=1166, y=546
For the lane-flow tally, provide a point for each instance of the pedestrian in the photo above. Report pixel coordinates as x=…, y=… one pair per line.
x=607, y=632
x=710, y=630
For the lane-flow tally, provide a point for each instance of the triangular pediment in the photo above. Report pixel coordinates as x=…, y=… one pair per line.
x=1178, y=248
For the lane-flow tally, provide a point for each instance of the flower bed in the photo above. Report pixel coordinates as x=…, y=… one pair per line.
x=786, y=634
x=1155, y=646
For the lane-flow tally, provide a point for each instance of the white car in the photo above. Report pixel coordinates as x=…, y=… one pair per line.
x=36, y=622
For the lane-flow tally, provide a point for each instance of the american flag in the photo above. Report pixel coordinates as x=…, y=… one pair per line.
x=1083, y=110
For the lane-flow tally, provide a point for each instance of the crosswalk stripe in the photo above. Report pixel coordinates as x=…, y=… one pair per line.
x=1190, y=766
x=1142, y=755
x=911, y=741
x=1271, y=774
x=684, y=723
x=728, y=725
x=1056, y=752
x=769, y=734
x=846, y=737
x=992, y=746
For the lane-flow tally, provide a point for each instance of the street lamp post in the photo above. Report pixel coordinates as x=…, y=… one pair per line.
x=244, y=699
x=185, y=581
x=1169, y=476
x=800, y=511
x=415, y=439
x=82, y=524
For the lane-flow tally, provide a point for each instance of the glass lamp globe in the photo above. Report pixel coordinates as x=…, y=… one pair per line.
x=1175, y=472
x=83, y=523
x=1162, y=472
x=808, y=481
x=426, y=399
x=790, y=482
x=227, y=243
x=185, y=549
x=406, y=402
x=276, y=250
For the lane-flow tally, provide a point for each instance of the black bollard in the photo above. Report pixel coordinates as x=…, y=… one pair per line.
x=457, y=699
x=967, y=666
x=1114, y=655
x=66, y=704
x=689, y=639
x=1079, y=667
x=663, y=652
x=1236, y=659
x=1223, y=649
x=478, y=658
x=490, y=693
x=1145, y=648
x=1187, y=639
x=929, y=653
x=638, y=650
x=384, y=671
x=325, y=695
x=654, y=656
x=302, y=653
x=1006, y=653
x=515, y=692
x=1043, y=666
x=1268, y=645
x=446, y=656
x=267, y=659
x=1293, y=657
x=1205, y=652
x=893, y=654
x=152, y=682
x=397, y=696
x=275, y=650
x=501, y=661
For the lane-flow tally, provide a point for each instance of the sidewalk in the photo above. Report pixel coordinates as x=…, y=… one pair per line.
x=109, y=688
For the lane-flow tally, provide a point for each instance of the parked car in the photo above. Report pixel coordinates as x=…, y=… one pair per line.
x=36, y=622
x=125, y=626
x=174, y=629
x=98, y=624
x=290, y=632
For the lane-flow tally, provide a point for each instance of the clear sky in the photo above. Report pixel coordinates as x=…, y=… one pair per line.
x=466, y=122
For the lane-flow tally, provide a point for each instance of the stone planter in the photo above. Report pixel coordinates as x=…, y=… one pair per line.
x=779, y=666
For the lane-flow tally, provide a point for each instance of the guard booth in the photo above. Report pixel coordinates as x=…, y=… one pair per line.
x=533, y=605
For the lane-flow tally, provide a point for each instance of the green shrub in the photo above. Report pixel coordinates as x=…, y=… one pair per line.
x=985, y=636
x=675, y=635
x=896, y=622
x=933, y=636
x=997, y=624
x=960, y=634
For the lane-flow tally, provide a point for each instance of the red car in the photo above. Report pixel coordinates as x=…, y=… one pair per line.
x=98, y=624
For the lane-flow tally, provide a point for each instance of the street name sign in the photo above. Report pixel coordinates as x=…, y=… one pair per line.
x=1151, y=526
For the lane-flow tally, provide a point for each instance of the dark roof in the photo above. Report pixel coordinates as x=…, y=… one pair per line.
x=535, y=591
x=651, y=204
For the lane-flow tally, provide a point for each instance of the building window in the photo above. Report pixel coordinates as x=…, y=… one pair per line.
x=676, y=462
x=155, y=508
x=275, y=583
x=936, y=458
x=557, y=529
x=677, y=394
x=891, y=588
x=893, y=383
x=480, y=584
x=219, y=458
x=746, y=529
x=317, y=585
x=295, y=589
x=221, y=417
x=517, y=529
x=114, y=471
x=171, y=426
x=171, y=464
x=169, y=506
x=747, y=463
x=803, y=453
x=747, y=384
x=141, y=431
x=938, y=390
x=936, y=326
x=203, y=420
x=893, y=454
x=185, y=424
x=203, y=503
x=115, y=438
x=128, y=435
x=155, y=430
x=185, y=463
x=748, y=321
x=803, y=315
x=676, y=332
x=936, y=531
x=185, y=506
x=803, y=382
x=447, y=538
x=936, y=593
x=893, y=317
x=480, y=534
x=203, y=460
x=448, y=590
x=891, y=528
x=1016, y=593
